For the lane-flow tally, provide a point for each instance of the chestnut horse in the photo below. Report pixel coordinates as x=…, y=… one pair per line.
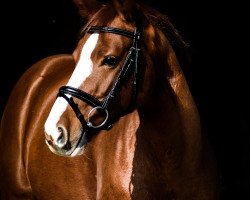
x=114, y=120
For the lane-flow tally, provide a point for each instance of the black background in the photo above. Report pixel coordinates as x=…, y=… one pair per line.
x=218, y=75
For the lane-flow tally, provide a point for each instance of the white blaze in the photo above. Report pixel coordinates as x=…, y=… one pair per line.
x=83, y=69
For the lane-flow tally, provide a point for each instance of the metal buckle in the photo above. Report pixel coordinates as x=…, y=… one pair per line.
x=90, y=124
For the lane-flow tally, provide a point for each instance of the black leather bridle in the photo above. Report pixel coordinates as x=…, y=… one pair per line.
x=131, y=59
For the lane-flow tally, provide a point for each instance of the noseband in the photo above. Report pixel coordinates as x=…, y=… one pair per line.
x=131, y=59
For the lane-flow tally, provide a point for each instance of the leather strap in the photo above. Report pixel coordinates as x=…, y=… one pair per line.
x=105, y=29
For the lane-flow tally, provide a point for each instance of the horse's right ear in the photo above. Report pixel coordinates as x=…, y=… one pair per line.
x=87, y=7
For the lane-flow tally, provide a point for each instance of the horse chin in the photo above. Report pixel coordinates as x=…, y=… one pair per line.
x=80, y=145
x=77, y=147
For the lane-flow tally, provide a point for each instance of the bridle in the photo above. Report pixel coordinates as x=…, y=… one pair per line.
x=67, y=92
x=131, y=58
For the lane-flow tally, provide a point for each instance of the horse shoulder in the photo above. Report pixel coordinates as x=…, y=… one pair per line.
x=25, y=103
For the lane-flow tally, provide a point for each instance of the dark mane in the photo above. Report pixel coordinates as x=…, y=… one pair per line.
x=162, y=22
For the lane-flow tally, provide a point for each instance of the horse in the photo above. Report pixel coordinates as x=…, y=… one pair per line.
x=113, y=120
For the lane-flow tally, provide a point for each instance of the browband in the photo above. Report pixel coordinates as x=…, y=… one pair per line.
x=106, y=29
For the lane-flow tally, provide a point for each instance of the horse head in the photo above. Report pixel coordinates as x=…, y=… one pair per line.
x=118, y=57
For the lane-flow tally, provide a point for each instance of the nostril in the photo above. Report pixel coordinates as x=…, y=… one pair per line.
x=62, y=137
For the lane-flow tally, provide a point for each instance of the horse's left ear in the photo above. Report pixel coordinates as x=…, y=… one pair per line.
x=87, y=7
x=126, y=9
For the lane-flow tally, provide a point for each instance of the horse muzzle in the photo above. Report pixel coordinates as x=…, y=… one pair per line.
x=63, y=146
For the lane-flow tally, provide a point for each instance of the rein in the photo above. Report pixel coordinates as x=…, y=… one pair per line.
x=131, y=58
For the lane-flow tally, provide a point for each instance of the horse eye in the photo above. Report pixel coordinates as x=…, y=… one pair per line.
x=110, y=61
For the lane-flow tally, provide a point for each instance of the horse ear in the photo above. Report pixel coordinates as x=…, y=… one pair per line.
x=126, y=9
x=87, y=7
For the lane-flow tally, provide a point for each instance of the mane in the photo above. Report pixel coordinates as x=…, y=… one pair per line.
x=179, y=45
x=158, y=20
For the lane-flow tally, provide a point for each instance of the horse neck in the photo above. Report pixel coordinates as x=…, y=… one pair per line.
x=171, y=101
x=171, y=108
x=170, y=118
